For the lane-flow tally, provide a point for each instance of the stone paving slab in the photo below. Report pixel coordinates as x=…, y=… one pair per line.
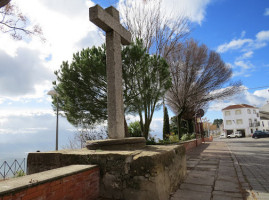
x=212, y=175
x=197, y=188
x=200, y=180
x=227, y=194
x=227, y=186
x=190, y=195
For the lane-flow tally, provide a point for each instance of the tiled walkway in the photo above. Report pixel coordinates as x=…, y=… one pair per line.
x=213, y=174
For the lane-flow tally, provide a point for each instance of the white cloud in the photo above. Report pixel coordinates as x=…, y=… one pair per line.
x=243, y=65
x=233, y=45
x=246, y=47
x=245, y=44
x=25, y=71
x=194, y=10
x=243, y=33
x=262, y=93
x=263, y=35
x=247, y=55
x=258, y=98
x=266, y=12
x=27, y=132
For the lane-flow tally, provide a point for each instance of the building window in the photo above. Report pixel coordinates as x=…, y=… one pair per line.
x=228, y=122
x=238, y=112
x=251, y=130
x=239, y=121
x=249, y=112
x=227, y=113
x=262, y=124
x=254, y=111
x=257, y=114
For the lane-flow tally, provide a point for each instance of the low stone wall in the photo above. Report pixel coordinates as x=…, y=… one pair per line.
x=193, y=143
x=153, y=172
x=208, y=139
x=72, y=182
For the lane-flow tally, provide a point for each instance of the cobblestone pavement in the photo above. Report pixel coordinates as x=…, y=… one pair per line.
x=253, y=158
x=213, y=174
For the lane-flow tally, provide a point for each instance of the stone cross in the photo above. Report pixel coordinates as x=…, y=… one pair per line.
x=116, y=34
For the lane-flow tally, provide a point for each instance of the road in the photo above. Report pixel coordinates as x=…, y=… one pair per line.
x=253, y=158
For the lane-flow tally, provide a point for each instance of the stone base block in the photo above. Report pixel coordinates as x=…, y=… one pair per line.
x=131, y=143
x=153, y=172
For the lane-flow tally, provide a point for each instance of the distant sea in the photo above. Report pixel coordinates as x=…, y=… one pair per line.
x=10, y=159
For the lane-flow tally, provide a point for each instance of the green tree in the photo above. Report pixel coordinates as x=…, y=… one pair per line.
x=166, y=125
x=82, y=88
x=146, y=79
x=134, y=129
x=82, y=85
x=218, y=122
x=173, y=125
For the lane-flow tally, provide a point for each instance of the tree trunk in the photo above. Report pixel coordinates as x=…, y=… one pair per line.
x=179, y=117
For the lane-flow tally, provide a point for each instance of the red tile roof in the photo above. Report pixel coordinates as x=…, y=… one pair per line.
x=238, y=106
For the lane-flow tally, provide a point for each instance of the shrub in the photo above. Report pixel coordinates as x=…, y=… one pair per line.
x=134, y=129
x=173, y=138
x=185, y=137
x=192, y=136
x=19, y=173
x=151, y=141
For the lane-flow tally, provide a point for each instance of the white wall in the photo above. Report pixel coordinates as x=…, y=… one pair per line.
x=244, y=116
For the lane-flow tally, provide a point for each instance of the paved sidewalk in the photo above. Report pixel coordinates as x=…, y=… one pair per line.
x=213, y=174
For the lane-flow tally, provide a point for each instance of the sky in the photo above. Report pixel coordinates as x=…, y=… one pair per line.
x=237, y=30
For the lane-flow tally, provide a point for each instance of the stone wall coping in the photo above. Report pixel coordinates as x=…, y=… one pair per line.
x=16, y=184
x=149, y=149
x=188, y=141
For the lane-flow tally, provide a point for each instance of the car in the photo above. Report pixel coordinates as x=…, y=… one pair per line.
x=223, y=135
x=235, y=135
x=260, y=134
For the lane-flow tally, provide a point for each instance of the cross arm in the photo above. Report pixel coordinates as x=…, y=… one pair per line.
x=105, y=21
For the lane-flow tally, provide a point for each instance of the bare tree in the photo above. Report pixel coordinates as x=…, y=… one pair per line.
x=161, y=33
x=145, y=20
x=198, y=76
x=13, y=22
x=83, y=135
x=3, y=3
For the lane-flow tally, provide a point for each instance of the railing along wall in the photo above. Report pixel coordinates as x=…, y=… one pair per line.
x=16, y=168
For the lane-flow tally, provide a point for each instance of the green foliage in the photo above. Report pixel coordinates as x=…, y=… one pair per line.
x=134, y=129
x=19, y=173
x=185, y=137
x=173, y=138
x=166, y=125
x=81, y=85
x=218, y=122
x=151, y=141
x=146, y=79
x=173, y=125
x=193, y=136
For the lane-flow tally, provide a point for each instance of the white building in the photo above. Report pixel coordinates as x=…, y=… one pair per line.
x=241, y=117
x=264, y=114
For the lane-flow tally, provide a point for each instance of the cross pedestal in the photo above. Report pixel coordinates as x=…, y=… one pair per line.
x=108, y=20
